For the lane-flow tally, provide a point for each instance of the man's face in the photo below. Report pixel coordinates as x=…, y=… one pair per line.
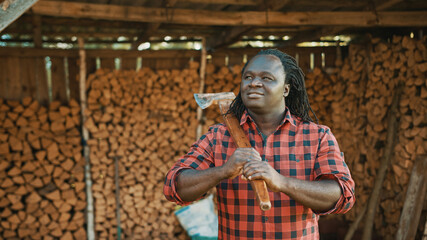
x=263, y=85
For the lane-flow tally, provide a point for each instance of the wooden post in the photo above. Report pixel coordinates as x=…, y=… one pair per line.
x=425, y=232
x=117, y=181
x=385, y=162
x=202, y=74
x=37, y=31
x=414, y=201
x=353, y=227
x=338, y=59
x=40, y=75
x=85, y=134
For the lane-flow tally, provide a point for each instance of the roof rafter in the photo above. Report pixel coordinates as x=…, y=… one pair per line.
x=11, y=10
x=247, y=18
x=384, y=4
x=233, y=34
x=226, y=2
x=152, y=27
x=311, y=35
x=324, y=31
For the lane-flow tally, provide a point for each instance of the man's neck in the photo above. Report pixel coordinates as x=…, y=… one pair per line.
x=268, y=123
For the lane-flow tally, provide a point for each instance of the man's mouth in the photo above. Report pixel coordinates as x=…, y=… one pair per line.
x=254, y=94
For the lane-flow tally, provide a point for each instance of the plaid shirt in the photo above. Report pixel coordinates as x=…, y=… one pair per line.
x=297, y=149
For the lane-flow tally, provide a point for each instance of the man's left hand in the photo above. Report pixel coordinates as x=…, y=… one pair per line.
x=261, y=170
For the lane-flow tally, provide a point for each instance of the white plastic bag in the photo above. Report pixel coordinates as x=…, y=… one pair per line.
x=199, y=219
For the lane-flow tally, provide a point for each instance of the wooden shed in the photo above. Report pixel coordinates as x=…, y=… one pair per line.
x=96, y=104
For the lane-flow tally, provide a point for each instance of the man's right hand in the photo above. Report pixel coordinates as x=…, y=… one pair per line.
x=233, y=167
x=192, y=184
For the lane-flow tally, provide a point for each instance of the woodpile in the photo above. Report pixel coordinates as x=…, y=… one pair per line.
x=349, y=122
x=410, y=59
x=145, y=119
x=42, y=191
x=363, y=93
x=319, y=85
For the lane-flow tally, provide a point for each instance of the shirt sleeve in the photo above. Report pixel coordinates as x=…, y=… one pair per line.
x=330, y=164
x=199, y=157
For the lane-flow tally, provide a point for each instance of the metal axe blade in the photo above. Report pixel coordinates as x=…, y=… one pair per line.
x=204, y=100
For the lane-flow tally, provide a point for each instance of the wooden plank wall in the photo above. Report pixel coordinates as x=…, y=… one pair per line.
x=23, y=76
x=23, y=72
x=59, y=82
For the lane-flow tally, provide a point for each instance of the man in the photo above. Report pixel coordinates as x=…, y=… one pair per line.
x=299, y=160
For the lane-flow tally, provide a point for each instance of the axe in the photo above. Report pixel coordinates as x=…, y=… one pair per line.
x=224, y=100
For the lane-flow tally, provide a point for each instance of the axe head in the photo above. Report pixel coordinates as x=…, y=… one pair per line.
x=204, y=100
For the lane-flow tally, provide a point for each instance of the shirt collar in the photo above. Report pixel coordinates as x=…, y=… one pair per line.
x=288, y=118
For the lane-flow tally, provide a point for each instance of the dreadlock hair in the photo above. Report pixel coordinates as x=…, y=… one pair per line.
x=296, y=101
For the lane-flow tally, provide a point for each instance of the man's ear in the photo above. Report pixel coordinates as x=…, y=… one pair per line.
x=286, y=90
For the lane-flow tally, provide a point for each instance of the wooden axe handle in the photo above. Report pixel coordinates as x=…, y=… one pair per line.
x=241, y=141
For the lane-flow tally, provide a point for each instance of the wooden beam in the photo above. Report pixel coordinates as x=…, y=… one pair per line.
x=145, y=53
x=385, y=4
x=227, y=37
x=43, y=52
x=312, y=35
x=145, y=37
x=231, y=35
x=34, y=52
x=92, y=34
x=99, y=41
x=247, y=18
x=37, y=31
x=152, y=27
x=12, y=10
x=225, y=2
x=276, y=5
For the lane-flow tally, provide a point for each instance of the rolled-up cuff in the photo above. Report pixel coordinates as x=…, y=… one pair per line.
x=339, y=206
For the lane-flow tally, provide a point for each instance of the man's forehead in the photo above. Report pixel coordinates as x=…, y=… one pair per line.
x=264, y=62
x=266, y=57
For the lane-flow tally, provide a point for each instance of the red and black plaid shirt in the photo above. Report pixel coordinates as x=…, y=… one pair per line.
x=297, y=149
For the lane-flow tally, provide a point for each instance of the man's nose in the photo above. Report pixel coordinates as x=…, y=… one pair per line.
x=256, y=82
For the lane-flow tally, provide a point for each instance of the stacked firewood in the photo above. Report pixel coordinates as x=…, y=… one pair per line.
x=143, y=120
x=41, y=171
x=319, y=85
x=366, y=84
x=349, y=121
x=409, y=58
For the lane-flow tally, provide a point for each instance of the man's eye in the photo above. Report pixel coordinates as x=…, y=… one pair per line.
x=248, y=78
x=267, y=78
